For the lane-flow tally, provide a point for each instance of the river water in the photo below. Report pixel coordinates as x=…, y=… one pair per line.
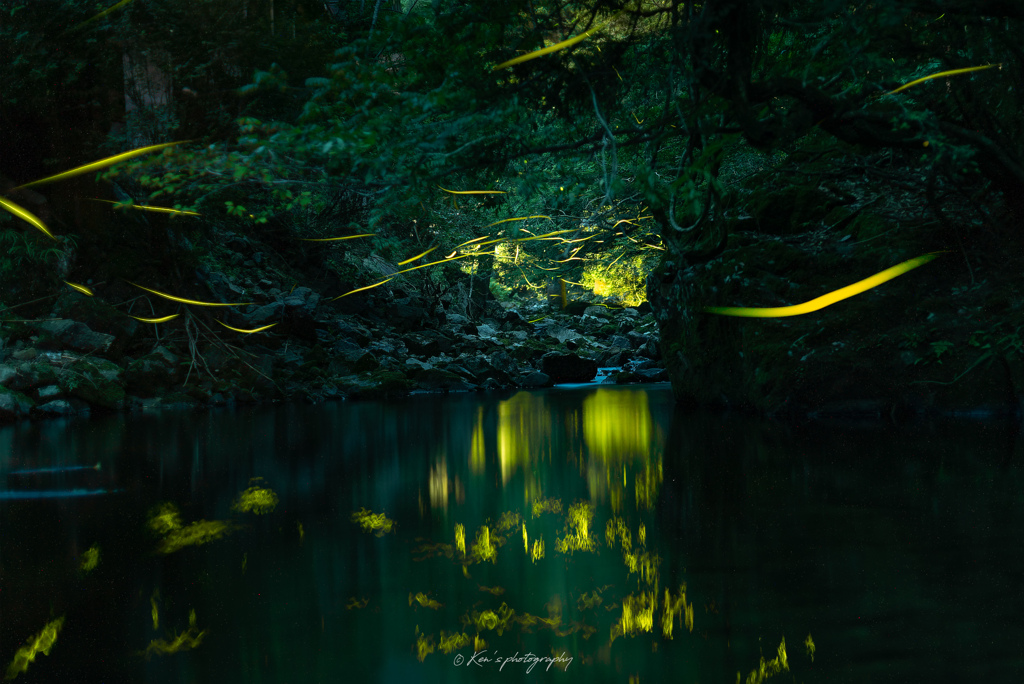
x=596, y=533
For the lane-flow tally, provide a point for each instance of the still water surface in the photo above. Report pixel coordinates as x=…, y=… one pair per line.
x=604, y=526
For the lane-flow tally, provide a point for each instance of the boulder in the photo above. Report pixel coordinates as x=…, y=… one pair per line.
x=152, y=373
x=535, y=379
x=76, y=335
x=13, y=405
x=434, y=379
x=568, y=367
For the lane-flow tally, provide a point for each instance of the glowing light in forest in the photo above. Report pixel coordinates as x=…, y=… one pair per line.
x=102, y=163
x=825, y=300
x=186, y=301
x=951, y=72
x=247, y=332
x=164, y=319
x=81, y=288
x=548, y=50
x=26, y=215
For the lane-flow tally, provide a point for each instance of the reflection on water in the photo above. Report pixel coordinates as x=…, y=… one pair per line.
x=594, y=534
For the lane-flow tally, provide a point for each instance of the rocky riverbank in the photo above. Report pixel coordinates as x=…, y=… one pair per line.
x=86, y=356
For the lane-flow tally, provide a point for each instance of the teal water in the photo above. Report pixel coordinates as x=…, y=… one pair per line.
x=896, y=551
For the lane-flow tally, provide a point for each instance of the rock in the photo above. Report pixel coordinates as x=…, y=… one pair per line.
x=76, y=335
x=13, y=405
x=154, y=372
x=503, y=362
x=620, y=341
x=415, y=365
x=366, y=363
x=561, y=333
x=598, y=311
x=302, y=298
x=457, y=320
x=25, y=354
x=58, y=407
x=653, y=374
x=434, y=379
x=7, y=375
x=424, y=345
x=568, y=367
x=486, y=332
x=406, y=315
x=264, y=315
x=352, y=330
x=222, y=289
x=535, y=379
x=636, y=339
x=650, y=350
x=48, y=392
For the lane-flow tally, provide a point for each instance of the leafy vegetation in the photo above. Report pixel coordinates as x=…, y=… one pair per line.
x=643, y=141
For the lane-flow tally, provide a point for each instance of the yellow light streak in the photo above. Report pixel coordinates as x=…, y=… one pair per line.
x=518, y=218
x=247, y=332
x=469, y=242
x=146, y=207
x=825, y=300
x=185, y=301
x=102, y=14
x=474, y=192
x=81, y=288
x=452, y=254
x=548, y=50
x=361, y=289
x=25, y=215
x=102, y=163
x=156, y=320
x=952, y=72
x=434, y=263
x=418, y=256
x=347, y=237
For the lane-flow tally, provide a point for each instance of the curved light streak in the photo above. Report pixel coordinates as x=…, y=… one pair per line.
x=951, y=72
x=186, y=301
x=25, y=215
x=548, y=50
x=825, y=300
x=247, y=332
x=102, y=163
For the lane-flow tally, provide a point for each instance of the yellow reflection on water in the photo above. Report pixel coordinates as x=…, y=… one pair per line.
x=577, y=525
x=483, y=549
x=770, y=668
x=524, y=430
x=256, y=500
x=189, y=639
x=538, y=549
x=809, y=645
x=90, y=559
x=165, y=520
x=542, y=506
x=637, y=614
x=676, y=606
x=40, y=643
x=460, y=538
x=424, y=601
x=621, y=438
x=439, y=484
x=378, y=523
x=477, y=449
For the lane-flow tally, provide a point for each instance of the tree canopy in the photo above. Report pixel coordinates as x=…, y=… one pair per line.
x=602, y=135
